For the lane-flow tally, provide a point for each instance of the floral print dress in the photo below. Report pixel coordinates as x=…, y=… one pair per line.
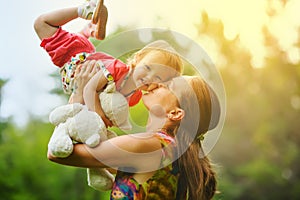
x=161, y=186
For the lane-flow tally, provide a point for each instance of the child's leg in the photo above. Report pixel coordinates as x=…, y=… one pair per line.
x=47, y=24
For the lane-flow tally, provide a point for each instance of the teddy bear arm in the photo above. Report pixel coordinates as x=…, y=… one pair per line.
x=62, y=113
x=100, y=179
x=60, y=144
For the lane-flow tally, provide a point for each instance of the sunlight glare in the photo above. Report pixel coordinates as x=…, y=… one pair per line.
x=293, y=55
x=247, y=18
x=295, y=102
x=240, y=18
x=287, y=33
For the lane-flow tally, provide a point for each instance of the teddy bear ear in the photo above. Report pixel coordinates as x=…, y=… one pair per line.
x=126, y=125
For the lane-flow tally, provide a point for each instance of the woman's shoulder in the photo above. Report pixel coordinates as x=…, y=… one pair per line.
x=138, y=142
x=141, y=150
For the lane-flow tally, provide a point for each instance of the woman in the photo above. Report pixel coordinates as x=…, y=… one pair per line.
x=167, y=161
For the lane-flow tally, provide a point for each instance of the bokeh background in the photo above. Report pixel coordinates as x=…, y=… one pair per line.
x=255, y=45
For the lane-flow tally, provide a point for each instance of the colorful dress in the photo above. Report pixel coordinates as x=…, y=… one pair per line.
x=161, y=186
x=67, y=50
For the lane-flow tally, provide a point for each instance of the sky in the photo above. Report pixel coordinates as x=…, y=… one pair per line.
x=27, y=66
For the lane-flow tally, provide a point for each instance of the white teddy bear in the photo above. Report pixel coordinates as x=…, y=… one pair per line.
x=75, y=123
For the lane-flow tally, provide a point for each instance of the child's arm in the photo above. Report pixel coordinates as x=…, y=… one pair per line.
x=91, y=95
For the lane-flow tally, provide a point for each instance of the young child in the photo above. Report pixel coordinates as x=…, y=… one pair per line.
x=156, y=62
x=69, y=50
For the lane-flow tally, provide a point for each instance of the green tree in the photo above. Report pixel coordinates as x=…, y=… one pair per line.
x=258, y=152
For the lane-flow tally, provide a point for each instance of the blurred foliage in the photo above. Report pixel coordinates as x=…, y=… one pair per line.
x=257, y=155
x=26, y=172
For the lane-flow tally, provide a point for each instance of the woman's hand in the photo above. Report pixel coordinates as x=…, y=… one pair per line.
x=91, y=94
x=83, y=74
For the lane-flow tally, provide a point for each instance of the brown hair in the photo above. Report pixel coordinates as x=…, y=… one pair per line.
x=197, y=180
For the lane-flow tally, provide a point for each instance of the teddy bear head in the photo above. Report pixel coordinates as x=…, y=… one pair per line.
x=115, y=107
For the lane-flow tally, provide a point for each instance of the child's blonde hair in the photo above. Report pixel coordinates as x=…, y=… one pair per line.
x=163, y=48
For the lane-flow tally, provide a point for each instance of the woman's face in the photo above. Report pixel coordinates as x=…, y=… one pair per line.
x=152, y=69
x=163, y=97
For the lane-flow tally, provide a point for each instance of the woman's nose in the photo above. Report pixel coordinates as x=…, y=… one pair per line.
x=152, y=86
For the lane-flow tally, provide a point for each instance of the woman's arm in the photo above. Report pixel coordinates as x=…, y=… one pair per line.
x=140, y=151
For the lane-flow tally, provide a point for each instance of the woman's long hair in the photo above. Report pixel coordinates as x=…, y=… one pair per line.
x=197, y=180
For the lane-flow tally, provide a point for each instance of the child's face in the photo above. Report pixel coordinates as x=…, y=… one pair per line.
x=152, y=68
